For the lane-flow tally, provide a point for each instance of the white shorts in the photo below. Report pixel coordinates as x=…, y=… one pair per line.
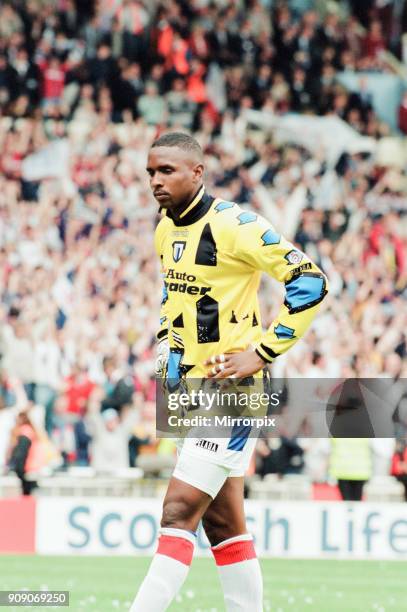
x=206, y=463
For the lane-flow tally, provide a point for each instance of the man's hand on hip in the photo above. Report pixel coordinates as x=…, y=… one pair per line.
x=235, y=365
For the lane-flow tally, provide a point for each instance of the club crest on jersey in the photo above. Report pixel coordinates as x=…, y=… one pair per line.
x=178, y=248
x=293, y=257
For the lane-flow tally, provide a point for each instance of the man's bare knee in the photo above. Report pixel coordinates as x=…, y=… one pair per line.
x=217, y=528
x=183, y=506
x=176, y=513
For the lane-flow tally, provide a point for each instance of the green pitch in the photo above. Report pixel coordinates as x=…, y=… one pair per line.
x=104, y=584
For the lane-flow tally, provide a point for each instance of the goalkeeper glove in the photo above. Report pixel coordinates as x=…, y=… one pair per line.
x=163, y=351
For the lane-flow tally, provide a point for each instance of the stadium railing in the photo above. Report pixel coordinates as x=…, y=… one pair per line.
x=383, y=489
x=291, y=487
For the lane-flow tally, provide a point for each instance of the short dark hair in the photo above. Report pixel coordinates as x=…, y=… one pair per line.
x=182, y=141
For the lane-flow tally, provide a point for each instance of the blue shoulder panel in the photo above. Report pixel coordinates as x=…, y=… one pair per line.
x=270, y=237
x=223, y=206
x=246, y=217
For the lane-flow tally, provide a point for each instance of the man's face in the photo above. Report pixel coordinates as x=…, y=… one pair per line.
x=112, y=424
x=175, y=175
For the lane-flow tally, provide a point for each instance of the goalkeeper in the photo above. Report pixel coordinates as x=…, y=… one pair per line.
x=212, y=255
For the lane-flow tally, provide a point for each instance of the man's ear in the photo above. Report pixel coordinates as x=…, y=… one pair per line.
x=198, y=172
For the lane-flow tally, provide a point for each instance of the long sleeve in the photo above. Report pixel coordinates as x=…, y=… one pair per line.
x=164, y=321
x=258, y=244
x=163, y=329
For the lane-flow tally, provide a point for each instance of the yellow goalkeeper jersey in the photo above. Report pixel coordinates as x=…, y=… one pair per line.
x=212, y=258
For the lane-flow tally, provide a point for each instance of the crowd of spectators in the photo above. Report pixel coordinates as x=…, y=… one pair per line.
x=157, y=60
x=79, y=281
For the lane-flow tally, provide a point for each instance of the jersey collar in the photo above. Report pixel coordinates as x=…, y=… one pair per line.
x=198, y=207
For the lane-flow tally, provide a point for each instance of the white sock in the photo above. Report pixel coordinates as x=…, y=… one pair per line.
x=240, y=574
x=167, y=572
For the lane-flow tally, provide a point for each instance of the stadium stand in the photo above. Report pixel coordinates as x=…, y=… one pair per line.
x=84, y=88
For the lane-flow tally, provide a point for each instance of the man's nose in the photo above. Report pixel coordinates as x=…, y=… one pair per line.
x=156, y=181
